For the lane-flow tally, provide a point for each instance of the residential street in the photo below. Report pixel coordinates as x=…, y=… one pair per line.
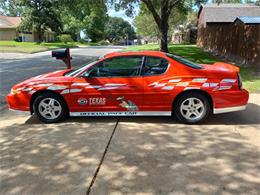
x=131, y=155
x=16, y=67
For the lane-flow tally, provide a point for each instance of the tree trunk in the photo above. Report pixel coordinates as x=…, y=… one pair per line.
x=39, y=33
x=164, y=26
x=164, y=39
x=161, y=21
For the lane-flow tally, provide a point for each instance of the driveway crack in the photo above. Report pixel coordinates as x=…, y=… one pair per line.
x=102, y=159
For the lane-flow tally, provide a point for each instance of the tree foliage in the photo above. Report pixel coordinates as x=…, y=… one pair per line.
x=146, y=25
x=160, y=10
x=117, y=29
x=11, y=8
x=84, y=15
x=40, y=15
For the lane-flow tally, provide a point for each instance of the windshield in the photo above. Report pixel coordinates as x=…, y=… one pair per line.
x=76, y=71
x=184, y=61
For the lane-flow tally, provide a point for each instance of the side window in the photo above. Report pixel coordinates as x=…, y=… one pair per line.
x=154, y=66
x=117, y=67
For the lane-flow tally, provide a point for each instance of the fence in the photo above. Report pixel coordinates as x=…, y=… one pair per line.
x=238, y=43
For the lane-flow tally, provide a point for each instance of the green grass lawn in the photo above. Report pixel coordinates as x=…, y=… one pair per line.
x=32, y=47
x=250, y=77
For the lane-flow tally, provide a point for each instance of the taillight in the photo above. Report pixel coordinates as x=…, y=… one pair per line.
x=239, y=80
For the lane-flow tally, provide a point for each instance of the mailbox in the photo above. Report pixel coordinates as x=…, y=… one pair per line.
x=62, y=54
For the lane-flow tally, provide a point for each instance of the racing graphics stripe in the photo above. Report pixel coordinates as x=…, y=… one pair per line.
x=228, y=80
x=199, y=80
x=57, y=87
x=123, y=113
x=80, y=84
x=66, y=91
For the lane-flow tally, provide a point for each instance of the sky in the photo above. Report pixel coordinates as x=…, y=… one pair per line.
x=121, y=14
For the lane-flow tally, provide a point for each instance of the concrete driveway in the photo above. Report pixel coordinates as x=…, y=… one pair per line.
x=15, y=67
x=131, y=155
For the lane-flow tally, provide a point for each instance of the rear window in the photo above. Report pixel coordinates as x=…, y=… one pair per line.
x=184, y=61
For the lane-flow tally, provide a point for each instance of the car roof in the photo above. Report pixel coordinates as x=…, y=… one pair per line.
x=131, y=53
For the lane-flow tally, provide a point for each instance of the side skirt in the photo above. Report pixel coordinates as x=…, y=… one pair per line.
x=228, y=109
x=126, y=113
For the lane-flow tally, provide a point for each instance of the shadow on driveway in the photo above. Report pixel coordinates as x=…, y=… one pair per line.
x=152, y=155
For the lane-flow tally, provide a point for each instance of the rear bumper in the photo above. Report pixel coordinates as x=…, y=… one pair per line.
x=230, y=101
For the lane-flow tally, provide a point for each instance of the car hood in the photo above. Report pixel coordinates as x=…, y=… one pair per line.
x=53, y=77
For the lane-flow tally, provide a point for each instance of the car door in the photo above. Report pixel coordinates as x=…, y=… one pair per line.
x=112, y=85
x=157, y=93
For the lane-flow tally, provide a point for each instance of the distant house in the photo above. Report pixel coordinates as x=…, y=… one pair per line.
x=230, y=30
x=9, y=31
x=184, y=34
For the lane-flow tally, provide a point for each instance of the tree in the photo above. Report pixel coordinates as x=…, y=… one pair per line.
x=146, y=25
x=160, y=11
x=117, y=29
x=83, y=15
x=40, y=14
x=11, y=8
x=94, y=23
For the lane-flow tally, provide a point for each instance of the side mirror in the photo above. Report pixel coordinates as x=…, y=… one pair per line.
x=64, y=55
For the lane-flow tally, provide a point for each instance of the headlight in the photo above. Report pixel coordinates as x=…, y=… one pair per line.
x=13, y=91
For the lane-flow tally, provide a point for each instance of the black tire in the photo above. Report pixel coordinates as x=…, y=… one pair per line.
x=62, y=114
x=183, y=99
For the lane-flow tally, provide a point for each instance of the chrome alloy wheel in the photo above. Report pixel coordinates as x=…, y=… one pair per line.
x=49, y=108
x=192, y=108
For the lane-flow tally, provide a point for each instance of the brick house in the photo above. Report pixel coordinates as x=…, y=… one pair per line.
x=9, y=31
x=225, y=30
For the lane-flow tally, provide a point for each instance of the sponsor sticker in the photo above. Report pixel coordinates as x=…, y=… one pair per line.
x=97, y=101
x=82, y=101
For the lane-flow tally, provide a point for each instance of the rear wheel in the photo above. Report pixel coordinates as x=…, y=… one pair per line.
x=192, y=108
x=50, y=108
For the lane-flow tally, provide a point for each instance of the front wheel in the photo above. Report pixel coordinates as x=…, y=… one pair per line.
x=50, y=108
x=192, y=108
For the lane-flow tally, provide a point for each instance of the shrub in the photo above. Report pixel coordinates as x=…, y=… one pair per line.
x=65, y=38
x=103, y=42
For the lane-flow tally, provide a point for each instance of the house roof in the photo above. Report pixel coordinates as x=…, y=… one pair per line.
x=249, y=19
x=9, y=22
x=224, y=13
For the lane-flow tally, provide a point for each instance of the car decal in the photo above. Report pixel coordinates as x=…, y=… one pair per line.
x=32, y=91
x=184, y=84
x=123, y=113
x=80, y=84
x=43, y=85
x=159, y=85
x=222, y=88
x=228, y=81
x=193, y=83
x=115, y=84
x=188, y=88
x=108, y=88
x=168, y=88
x=57, y=87
x=128, y=104
x=66, y=91
x=174, y=80
x=27, y=89
x=75, y=90
x=199, y=80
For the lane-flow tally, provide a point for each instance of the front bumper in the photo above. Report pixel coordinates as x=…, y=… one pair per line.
x=18, y=102
x=230, y=101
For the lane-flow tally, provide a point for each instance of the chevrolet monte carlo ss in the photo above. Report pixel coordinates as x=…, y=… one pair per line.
x=146, y=83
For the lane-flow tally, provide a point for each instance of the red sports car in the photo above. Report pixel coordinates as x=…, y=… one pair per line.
x=146, y=83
